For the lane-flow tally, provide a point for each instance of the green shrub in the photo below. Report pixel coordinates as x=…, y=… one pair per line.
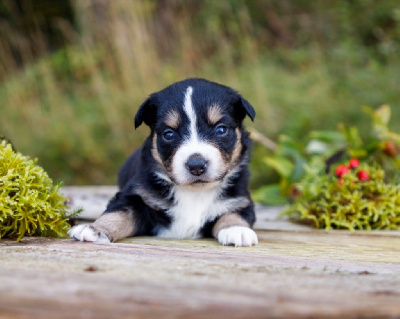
x=29, y=202
x=320, y=150
x=358, y=198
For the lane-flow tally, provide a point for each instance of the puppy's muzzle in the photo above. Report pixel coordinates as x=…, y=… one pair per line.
x=196, y=164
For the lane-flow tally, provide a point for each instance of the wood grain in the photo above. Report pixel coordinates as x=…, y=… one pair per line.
x=294, y=272
x=345, y=276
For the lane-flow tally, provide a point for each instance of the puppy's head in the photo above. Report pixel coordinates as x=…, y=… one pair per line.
x=196, y=128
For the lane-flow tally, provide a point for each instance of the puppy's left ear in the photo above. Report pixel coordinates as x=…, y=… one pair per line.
x=147, y=112
x=244, y=108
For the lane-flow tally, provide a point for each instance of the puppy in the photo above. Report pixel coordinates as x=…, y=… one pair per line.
x=190, y=177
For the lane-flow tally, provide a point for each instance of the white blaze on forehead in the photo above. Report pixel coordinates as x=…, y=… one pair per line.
x=194, y=145
x=191, y=114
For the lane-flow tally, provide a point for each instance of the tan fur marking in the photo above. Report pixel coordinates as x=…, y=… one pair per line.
x=172, y=119
x=231, y=161
x=118, y=225
x=238, y=147
x=228, y=220
x=154, y=150
x=214, y=114
x=151, y=199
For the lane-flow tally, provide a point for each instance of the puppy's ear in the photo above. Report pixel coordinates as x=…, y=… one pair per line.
x=147, y=112
x=244, y=108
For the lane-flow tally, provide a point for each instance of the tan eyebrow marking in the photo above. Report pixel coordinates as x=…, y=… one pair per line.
x=154, y=150
x=238, y=148
x=214, y=114
x=172, y=119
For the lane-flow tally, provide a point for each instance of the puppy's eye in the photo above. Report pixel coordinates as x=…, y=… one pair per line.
x=221, y=130
x=168, y=135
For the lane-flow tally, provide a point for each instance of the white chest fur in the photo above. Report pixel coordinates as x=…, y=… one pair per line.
x=192, y=209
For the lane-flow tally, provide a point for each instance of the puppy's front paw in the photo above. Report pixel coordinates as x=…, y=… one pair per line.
x=238, y=236
x=89, y=233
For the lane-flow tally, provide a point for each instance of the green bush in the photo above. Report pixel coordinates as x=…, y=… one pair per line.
x=357, y=199
x=29, y=202
x=322, y=149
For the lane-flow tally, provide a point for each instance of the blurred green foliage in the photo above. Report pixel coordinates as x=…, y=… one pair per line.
x=71, y=82
x=295, y=161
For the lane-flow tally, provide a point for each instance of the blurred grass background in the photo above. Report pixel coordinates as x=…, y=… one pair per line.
x=73, y=72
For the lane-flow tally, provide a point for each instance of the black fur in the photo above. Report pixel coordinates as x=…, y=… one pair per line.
x=144, y=192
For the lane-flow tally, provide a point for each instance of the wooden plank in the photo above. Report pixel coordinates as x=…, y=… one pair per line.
x=294, y=272
x=288, y=274
x=92, y=199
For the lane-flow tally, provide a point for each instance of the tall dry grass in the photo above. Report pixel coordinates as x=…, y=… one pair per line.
x=74, y=108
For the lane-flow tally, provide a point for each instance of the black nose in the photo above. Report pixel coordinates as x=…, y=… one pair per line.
x=196, y=164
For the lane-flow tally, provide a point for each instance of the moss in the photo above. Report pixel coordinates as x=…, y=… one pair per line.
x=30, y=204
x=348, y=202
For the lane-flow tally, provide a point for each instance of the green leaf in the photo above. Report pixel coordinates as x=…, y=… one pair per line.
x=288, y=147
x=357, y=152
x=281, y=164
x=380, y=120
x=352, y=136
x=328, y=136
x=270, y=195
x=298, y=169
x=382, y=115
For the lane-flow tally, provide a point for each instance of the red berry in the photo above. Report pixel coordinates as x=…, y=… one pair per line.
x=363, y=176
x=341, y=170
x=354, y=163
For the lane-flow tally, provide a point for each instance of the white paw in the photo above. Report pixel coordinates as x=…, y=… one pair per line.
x=89, y=233
x=238, y=236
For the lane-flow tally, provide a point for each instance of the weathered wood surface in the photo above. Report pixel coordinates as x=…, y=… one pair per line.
x=292, y=273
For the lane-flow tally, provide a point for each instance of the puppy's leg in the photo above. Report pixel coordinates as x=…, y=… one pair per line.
x=232, y=229
x=109, y=227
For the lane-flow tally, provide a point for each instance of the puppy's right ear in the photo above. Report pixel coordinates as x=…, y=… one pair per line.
x=147, y=112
